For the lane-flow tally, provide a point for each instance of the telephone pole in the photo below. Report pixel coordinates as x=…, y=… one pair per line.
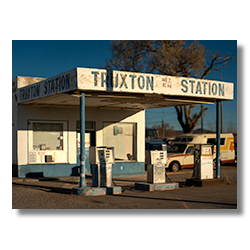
x=201, y=118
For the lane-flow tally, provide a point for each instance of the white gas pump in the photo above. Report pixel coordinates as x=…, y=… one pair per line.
x=101, y=160
x=203, y=161
x=156, y=161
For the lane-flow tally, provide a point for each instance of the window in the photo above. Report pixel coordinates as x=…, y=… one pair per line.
x=88, y=125
x=151, y=133
x=123, y=137
x=48, y=136
x=177, y=148
x=177, y=139
x=183, y=139
x=222, y=141
x=190, y=150
x=213, y=141
x=186, y=139
x=47, y=142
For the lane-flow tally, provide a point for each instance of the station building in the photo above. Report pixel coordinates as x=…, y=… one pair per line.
x=50, y=116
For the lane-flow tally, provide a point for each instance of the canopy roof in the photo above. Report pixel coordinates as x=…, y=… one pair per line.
x=118, y=90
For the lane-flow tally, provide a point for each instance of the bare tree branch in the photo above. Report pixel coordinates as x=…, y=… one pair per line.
x=217, y=62
x=173, y=58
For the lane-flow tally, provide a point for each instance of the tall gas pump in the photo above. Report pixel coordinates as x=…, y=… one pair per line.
x=101, y=160
x=156, y=161
x=203, y=167
x=203, y=161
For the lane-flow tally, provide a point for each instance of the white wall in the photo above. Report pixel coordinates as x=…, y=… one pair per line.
x=14, y=120
x=71, y=115
x=121, y=116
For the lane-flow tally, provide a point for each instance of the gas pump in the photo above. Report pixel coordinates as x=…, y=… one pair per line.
x=203, y=161
x=156, y=161
x=101, y=160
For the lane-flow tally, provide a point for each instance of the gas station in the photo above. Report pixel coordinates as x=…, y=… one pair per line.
x=92, y=121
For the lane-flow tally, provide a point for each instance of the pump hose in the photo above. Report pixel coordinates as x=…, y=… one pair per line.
x=167, y=178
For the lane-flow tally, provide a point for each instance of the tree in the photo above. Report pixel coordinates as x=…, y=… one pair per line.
x=169, y=57
x=164, y=130
x=231, y=127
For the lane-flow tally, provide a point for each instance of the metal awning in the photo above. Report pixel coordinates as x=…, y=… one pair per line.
x=96, y=88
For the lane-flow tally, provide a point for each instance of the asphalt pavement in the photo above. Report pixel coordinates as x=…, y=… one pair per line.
x=56, y=193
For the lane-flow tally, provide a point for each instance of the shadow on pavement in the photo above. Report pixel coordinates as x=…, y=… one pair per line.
x=181, y=200
x=46, y=188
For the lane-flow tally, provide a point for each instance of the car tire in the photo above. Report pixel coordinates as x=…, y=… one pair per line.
x=174, y=166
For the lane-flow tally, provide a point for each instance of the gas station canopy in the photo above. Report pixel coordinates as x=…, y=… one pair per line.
x=123, y=96
x=120, y=90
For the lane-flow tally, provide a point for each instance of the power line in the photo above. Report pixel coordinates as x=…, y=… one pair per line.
x=158, y=117
x=159, y=122
x=214, y=122
x=152, y=117
x=158, y=112
x=169, y=113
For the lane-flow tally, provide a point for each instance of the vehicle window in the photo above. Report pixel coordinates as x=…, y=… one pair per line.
x=190, y=150
x=213, y=141
x=177, y=148
x=177, y=139
x=184, y=139
x=222, y=141
x=151, y=133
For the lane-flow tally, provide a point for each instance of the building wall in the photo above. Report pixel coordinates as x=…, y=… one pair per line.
x=14, y=121
x=72, y=115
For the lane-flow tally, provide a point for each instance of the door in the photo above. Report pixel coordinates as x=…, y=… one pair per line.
x=87, y=145
x=90, y=140
x=188, y=160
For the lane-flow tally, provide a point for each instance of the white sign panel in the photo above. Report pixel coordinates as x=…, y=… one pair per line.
x=51, y=86
x=129, y=82
x=206, y=167
x=121, y=81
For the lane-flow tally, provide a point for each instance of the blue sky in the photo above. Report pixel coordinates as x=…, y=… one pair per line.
x=49, y=58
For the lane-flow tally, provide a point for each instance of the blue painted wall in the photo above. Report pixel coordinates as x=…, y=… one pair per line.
x=47, y=170
x=128, y=168
x=55, y=170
